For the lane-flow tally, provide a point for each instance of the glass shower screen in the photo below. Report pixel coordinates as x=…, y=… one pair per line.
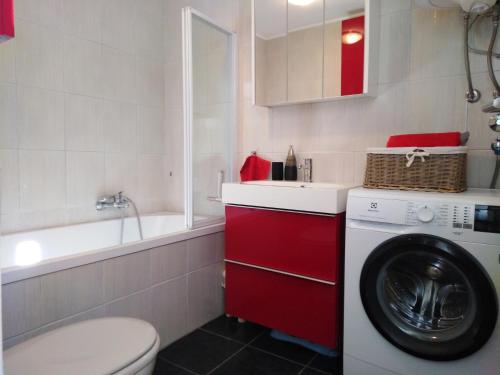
x=209, y=115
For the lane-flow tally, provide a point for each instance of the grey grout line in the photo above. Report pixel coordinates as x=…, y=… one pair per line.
x=307, y=364
x=249, y=345
x=234, y=354
x=176, y=365
x=222, y=336
x=278, y=356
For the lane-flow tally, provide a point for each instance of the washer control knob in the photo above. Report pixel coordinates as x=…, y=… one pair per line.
x=425, y=214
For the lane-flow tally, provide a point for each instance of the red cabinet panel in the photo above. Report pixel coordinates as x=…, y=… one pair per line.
x=299, y=307
x=303, y=244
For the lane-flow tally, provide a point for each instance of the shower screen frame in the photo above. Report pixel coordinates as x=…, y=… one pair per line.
x=188, y=14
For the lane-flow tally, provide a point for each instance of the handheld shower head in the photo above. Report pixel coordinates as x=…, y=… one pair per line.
x=469, y=6
x=476, y=6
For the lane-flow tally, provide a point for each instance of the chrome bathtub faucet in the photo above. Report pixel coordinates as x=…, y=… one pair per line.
x=112, y=201
x=120, y=202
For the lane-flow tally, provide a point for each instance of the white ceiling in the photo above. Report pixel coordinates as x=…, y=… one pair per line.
x=271, y=20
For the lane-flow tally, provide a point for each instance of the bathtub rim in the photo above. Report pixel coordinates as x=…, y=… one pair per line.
x=18, y=273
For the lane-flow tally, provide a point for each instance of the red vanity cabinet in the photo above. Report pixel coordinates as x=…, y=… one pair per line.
x=283, y=270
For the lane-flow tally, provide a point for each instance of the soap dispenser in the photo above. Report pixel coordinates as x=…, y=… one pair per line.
x=291, y=166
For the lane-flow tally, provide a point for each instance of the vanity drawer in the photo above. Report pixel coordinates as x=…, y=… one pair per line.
x=302, y=308
x=298, y=243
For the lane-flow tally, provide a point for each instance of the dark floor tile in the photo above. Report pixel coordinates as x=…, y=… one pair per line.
x=330, y=365
x=254, y=362
x=200, y=351
x=165, y=368
x=287, y=350
x=310, y=371
x=229, y=327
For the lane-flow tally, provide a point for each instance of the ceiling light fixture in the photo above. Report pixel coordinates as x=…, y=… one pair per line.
x=351, y=37
x=301, y=3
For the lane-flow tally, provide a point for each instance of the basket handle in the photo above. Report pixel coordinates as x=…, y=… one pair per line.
x=417, y=153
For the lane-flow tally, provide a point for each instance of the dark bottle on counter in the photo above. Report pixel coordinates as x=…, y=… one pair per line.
x=291, y=166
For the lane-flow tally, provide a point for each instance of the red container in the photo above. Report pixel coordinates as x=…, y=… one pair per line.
x=6, y=20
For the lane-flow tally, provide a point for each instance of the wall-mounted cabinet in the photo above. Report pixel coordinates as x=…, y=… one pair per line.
x=314, y=50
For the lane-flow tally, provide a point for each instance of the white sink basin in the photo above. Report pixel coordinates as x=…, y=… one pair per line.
x=314, y=197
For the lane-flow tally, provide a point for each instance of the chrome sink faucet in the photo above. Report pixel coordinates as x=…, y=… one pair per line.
x=308, y=170
x=112, y=201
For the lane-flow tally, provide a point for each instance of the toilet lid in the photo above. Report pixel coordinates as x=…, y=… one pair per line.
x=97, y=346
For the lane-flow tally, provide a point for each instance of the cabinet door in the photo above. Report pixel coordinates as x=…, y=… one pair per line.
x=302, y=244
x=302, y=308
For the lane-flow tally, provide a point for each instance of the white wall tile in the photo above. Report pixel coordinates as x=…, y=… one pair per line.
x=120, y=126
x=83, y=18
x=79, y=69
x=151, y=130
x=205, y=301
x=127, y=274
x=118, y=74
x=174, y=131
x=173, y=84
x=150, y=77
x=480, y=168
x=389, y=6
x=170, y=310
x=138, y=305
x=8, y=117
x=436, y=43
x=40, y=116
x=38, y=219
x=395, y=45
x=121, y=173
x=149, y=29
x=437, y=105
x=85, y=178
x=42, y=178
x=9, y=181
x=98, y=312
x=169, y=261
x=151, y=178
x=83, y=123
x=21, y=307
x=202, y=251
x=72, y=291
x=39, y=56
x=7, y=61
x=82, y=66
x=43, y=12
x=119, y=17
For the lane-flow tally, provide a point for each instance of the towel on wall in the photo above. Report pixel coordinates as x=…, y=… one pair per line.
x=255, y=168
x=450, y=139
x=6, y=20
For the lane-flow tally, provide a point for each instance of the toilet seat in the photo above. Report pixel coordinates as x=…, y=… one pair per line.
x=98, y=346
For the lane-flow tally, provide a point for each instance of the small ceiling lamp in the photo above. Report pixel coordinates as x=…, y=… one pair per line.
x=351, y=37
x=301, y=3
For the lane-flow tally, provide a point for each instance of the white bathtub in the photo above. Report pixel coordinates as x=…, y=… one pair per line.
x=30, y=254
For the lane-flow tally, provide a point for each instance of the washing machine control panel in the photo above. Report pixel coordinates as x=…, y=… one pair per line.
x=455, y=216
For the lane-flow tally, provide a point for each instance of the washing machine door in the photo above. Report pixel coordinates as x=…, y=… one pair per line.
x=429, y=297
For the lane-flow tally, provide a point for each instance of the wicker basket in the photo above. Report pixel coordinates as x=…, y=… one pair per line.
x=441, y=169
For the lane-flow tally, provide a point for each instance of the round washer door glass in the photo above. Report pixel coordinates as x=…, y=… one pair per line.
x=429, y=297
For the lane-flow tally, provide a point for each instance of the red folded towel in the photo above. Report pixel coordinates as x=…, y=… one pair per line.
x=425, y=140
x=6, y=19
x=255, y=168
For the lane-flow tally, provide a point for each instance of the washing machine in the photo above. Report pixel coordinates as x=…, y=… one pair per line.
x=422, y=283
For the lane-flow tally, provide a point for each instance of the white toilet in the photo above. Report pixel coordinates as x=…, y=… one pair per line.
x=118, y=346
